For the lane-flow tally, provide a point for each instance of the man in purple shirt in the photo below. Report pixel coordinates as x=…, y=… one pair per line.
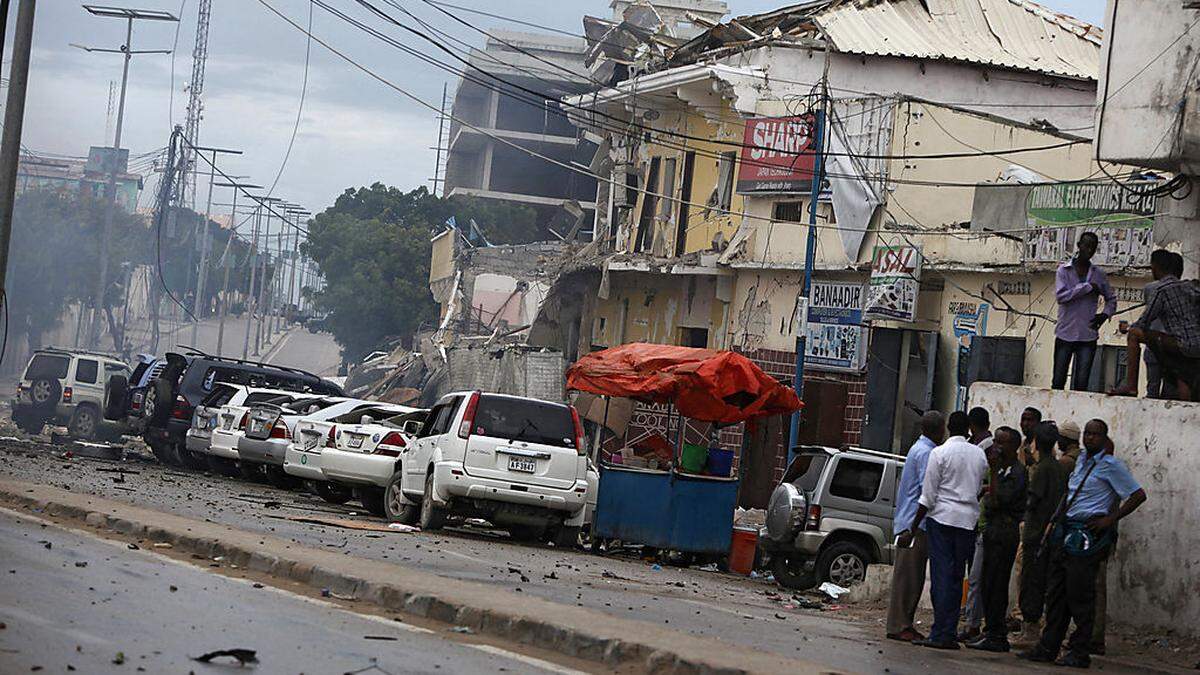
x=1077, y=287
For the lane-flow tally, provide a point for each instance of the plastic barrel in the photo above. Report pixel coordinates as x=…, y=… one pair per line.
x=720, y=462
x=741, y=551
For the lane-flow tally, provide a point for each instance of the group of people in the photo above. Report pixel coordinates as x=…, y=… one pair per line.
x=1169, y=326
x=1029, y=499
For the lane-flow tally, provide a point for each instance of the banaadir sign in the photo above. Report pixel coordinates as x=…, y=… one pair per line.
x=777, y=155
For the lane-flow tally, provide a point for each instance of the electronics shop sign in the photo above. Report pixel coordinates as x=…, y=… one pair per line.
x=777, y=155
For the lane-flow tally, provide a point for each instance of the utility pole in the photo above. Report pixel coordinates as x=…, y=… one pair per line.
x=130, y=15
x=14, y=117
x=202, y=278
x=195, y=106
x=810, y=255
x=224, y=299
x=298, y=213
x=263, y=205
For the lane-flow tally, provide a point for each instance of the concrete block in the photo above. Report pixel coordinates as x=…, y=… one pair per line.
x=875, y=589
x=95, y=519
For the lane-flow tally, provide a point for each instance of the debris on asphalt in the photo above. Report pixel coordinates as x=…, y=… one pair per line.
x=832, y=590
x=464, y=630
x=119, y=658
x=243, y=656
x=162, y=544
x=81, y=563
x=380, y=637
x=401, y=527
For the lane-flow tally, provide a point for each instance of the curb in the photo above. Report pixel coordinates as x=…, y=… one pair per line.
x=612, y=642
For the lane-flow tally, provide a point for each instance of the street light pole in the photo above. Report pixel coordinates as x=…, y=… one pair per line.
x=130, y=15
x=224, y=299
x=202, y=277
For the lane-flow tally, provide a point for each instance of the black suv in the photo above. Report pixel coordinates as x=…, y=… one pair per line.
x=168, y=401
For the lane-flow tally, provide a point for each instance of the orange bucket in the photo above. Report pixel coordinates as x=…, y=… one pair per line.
x=741, y=551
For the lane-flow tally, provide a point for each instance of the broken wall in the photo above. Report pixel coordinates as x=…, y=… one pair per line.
x=505, y=370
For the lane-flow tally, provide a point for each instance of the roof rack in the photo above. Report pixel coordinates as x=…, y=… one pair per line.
x=192, y=351
x=76, y=350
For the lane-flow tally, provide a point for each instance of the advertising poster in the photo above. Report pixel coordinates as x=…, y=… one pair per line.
x=895, y=283
x=835, y=338
x=777, y=155
x=1058, y=214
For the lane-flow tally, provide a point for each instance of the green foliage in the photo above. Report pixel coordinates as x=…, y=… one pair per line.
x=372, y=248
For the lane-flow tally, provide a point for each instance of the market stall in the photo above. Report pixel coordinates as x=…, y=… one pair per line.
x=678, y=496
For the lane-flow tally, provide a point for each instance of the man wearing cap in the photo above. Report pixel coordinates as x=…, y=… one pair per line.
x=1068, y=446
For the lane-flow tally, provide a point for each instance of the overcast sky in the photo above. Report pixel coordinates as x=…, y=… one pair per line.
x=353, y=130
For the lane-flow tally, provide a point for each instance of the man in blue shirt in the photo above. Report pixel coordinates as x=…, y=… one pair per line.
x=1100, y=492
x=908, y=572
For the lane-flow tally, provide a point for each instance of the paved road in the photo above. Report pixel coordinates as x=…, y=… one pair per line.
x=69, y=601
x=316, y=352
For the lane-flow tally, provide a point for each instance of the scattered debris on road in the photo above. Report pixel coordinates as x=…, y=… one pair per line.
x=243, y=656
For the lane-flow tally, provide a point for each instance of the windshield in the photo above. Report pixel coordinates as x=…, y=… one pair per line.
x=525, y=420
x=43, y=366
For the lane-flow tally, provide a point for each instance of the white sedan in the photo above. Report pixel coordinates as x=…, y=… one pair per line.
x=364, y=456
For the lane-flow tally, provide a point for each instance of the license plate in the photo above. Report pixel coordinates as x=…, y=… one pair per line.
x=522, y=464
x=355, y=442
x=310, y=442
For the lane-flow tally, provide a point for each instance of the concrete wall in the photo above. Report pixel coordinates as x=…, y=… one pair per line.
x=1154, y=577
x=644, y=307
x=1142, y=86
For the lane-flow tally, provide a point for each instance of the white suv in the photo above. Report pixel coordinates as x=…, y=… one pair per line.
x=518, y=462
x=67, y=387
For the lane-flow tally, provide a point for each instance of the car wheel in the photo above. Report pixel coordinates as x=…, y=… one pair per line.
x=277, y=478
x=567, y=537
x=29, y=421
x=433, y=517
x=83, y=423
x=45, y=393
x=159, y=400
x=843, y=563
x=167, y=454
x=251, y=472
x=372, y=500
x=526, y=532
x=332, y=492
x=397, y=508
x=789, y=571
x=223, y=467
x=194, y=461
x=114, y=397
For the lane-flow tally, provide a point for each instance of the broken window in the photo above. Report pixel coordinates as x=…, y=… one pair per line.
x=724, y=193
x=685, y=198
x=693, y=337
x=789, y=212
x=667, y=201
x=649, y=204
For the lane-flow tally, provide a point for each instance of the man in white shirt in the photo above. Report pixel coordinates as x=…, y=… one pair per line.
x=950, y=496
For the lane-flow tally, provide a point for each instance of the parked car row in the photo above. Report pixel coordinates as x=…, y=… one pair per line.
x=516, y=462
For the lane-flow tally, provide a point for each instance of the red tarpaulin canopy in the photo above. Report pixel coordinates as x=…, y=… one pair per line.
x=703, y=384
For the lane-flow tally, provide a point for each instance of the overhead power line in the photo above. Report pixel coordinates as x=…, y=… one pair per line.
x=533, y=153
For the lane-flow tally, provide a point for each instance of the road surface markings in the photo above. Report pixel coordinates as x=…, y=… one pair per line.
x=527, y=660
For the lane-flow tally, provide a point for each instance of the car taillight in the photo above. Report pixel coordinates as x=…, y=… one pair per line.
x=182, y=409
x=67, y=394
x=813, y=522
x=391, y=445
x=245, y=421
x=331, y=439
x=464, y=429
x=136, y=402
x=280, y=430
x=578, y=431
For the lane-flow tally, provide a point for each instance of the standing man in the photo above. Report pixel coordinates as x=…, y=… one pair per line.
x=981, y=434
x=1100, y=492
x=1030, y=418
x=1077, y=287
x=908, y=572
x=1068, y=447
x=1047, y=484
x=1165, y=267
x=1004, y=507
x=950, y=496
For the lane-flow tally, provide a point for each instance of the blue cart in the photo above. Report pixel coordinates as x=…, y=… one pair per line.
x=666, y=509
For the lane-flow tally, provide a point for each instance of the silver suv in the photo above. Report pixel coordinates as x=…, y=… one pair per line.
x=831, y=516
x=67, y=387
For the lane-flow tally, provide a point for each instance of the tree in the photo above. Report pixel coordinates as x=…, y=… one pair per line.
x=372, y=248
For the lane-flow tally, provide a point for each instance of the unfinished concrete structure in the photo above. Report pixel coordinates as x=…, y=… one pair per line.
x=509, y=100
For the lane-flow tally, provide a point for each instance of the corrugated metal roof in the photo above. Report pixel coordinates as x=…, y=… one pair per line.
x=1007, y=33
